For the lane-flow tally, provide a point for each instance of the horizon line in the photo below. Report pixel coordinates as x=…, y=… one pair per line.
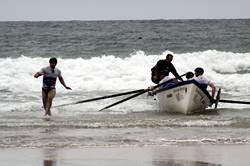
x=62, y=20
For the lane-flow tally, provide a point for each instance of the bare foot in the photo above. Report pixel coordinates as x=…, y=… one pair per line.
x=47, y=113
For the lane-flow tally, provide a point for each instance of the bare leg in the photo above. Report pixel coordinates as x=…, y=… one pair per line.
x=50, y=98
x=44, y=97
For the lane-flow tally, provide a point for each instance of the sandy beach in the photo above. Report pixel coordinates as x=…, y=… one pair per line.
x=205, y=155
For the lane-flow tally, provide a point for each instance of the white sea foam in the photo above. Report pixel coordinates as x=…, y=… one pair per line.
x=228, y=70
x=109, y=73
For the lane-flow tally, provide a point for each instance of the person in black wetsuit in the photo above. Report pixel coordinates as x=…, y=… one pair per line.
x=161, y=65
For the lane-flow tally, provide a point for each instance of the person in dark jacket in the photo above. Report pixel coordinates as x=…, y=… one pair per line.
x=161, y=65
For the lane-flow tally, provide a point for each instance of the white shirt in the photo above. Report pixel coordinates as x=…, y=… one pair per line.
x=166, y=78
x=202, y=80
x=49, y=77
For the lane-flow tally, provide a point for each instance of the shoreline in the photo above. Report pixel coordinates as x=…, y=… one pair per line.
x=192, y=155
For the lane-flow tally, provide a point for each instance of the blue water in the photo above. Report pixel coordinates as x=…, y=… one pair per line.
x=99, y=58
x=86, y=39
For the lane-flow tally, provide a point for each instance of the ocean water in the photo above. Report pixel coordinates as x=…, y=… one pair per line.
x=99, y=58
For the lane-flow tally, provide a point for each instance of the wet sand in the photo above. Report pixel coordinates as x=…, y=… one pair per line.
x=195, y=155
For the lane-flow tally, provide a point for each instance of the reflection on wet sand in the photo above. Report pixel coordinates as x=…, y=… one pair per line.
x=184, y=156
x=182, y=163
x=49, y=163
x=49, y=157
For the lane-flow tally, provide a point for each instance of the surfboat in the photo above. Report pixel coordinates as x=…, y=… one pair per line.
x=186, y=97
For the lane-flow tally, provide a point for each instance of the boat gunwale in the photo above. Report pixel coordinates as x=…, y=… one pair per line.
x=185, y=83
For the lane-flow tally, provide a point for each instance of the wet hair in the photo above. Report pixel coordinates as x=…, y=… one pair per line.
x=189, y=75
x=199, y=70
x=169, y=55
x=53, y=60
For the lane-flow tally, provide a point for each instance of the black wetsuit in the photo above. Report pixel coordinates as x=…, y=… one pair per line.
x=162, y=65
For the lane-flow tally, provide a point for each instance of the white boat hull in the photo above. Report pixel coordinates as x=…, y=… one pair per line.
x=187, y=99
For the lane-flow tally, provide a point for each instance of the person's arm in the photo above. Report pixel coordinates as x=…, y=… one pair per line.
x=62, y=82
x=174, y=72
x=213, y=89
x=38, y=74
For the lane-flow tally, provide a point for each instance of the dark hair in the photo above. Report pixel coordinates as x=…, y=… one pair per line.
x=53, y=60
x=199, y=70
x=168, y=55
x=189, y=75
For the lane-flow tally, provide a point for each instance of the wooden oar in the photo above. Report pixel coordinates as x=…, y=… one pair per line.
x=121, y=101
x=227, y=101
x=217, y=98
x=103, y=97
x=138, y=94
x=234, y=101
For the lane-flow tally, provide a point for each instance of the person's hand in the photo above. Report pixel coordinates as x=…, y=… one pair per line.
x=212, y=101
x=37, y=75
x=150, y=87
x=151, y=93
x=67, y=87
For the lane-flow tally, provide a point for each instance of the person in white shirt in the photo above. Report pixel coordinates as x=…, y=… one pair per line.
x=203, y=81
x=189, y=75
x=50, y=74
